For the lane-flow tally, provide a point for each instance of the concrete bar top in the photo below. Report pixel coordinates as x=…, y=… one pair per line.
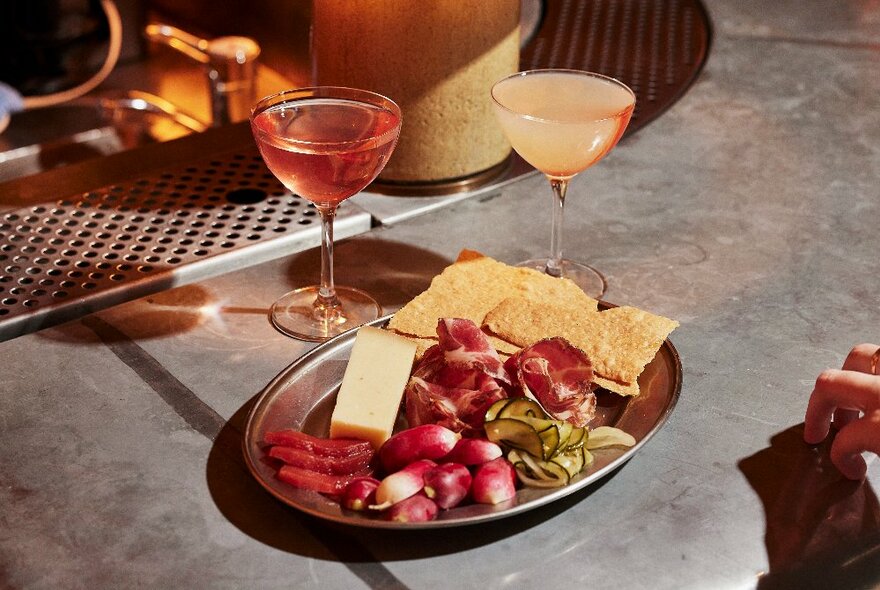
x=749, y=212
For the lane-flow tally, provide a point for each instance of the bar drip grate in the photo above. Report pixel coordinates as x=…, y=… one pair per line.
x=656, y=47
x=156, y=231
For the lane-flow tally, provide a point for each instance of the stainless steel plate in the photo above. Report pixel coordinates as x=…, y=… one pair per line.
x=302, y=397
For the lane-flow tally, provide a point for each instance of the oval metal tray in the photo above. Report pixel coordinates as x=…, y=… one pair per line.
x=303, y=394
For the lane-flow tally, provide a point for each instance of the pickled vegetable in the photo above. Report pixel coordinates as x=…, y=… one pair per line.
x=546, y=452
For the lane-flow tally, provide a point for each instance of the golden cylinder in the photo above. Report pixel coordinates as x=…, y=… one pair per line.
x=438, y=60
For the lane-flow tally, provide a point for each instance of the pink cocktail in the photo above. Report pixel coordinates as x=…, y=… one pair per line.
x=325, y=144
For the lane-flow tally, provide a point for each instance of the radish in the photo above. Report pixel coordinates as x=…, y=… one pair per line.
x=427, y=441
x=402, y=484
x=472, y=451
x=447, y=484
x=360, y=493
x=418, y=508
x=494, y=482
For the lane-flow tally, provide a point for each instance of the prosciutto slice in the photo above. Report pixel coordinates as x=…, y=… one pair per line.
x=466, y=354
x=457, y=379
x=559, y=376
x=458, y=409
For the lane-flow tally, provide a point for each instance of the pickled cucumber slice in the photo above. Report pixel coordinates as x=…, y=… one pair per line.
x=546, y=452
x=522, y=407
x=577, y=439
x=572, y=461
x=495, y=409
x=549, y=441
x=515, y=434
x=537, y=473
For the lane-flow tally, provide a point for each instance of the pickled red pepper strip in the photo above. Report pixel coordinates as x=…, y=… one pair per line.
x=326, y=447
x=331, y=465
x=318, y=482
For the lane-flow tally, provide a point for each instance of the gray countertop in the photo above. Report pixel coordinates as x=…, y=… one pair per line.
x=748, y=212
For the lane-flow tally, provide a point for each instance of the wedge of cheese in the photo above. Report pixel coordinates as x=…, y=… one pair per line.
x=372, y=386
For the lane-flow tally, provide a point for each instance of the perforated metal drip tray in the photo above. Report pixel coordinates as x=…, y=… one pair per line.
x=62, y=260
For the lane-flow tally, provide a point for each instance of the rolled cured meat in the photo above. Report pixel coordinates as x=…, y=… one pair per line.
x=559, y=376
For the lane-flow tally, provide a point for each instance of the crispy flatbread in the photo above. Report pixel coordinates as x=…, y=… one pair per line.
x=472, y=286
x=619, y=341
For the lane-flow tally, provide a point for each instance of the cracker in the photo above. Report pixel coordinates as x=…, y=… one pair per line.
x=627, y=389
x=473, y=286
x=619, y=341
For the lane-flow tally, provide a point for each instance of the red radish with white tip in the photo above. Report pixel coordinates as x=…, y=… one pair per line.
x=494, y=482
x=447, y=484
x=360, y=493
x=402, y=484
x=472, y=451
x=418, y=508
x=427, y=441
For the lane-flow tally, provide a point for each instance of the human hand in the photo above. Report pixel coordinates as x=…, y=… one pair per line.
x=851, y=395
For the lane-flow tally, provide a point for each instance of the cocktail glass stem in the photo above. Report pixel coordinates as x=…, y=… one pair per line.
x=327, y=305
x=554, y=263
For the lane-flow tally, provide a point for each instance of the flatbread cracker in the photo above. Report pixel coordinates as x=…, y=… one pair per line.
x=473, y=286
x=627, y=389
x=619, y=341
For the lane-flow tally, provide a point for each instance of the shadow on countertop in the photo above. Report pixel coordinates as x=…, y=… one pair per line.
x=823, y=531
x=393, y=272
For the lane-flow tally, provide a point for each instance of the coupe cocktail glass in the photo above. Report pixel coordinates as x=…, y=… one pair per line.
x=562, y=122
x=325, y=144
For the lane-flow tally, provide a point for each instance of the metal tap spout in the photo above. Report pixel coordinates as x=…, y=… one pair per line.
x=231, y=64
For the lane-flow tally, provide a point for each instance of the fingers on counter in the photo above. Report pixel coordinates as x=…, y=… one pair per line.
x=851, y=396
x=838, y=389
x=859, y=436
x=863, y=357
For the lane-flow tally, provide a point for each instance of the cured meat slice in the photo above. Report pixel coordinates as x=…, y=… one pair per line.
x=457, y=379
x=559, y=376
x=465, y=347
x=458, y=409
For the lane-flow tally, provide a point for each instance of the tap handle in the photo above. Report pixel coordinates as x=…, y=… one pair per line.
x=180, y=40
x=228, y=55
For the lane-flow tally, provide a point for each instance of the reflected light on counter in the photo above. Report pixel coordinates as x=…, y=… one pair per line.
x=211, y=314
